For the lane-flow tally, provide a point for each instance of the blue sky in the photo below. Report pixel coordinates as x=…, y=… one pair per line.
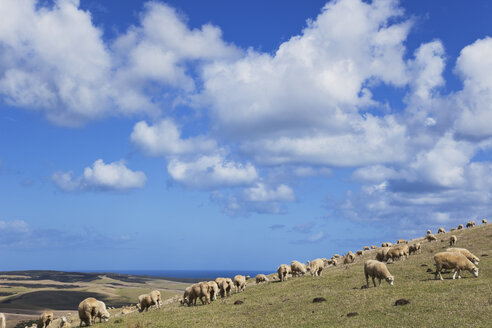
x=227, y=135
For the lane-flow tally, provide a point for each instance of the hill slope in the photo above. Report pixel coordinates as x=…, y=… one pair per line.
x=460, y=303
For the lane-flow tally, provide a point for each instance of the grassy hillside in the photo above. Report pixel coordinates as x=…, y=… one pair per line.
x=433, y=303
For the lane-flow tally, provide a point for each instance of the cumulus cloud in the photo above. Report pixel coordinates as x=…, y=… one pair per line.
x=164, y=138
x=211, y=172
x=262, y=193
x=103, y=177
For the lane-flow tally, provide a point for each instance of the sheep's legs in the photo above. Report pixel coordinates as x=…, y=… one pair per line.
x=374, y=281
x=379, y=281
x=367, y=281
x=454, y=275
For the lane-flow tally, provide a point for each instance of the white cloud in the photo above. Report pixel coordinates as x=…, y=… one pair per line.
x=211, y=172
x=164, y=138
x=263, y=193
x=474, y=65
x=104, y=177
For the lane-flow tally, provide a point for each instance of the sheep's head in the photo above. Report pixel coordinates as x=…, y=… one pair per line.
x=475, y=272
x=105, y=315
x=475, y=261
x=390, y=280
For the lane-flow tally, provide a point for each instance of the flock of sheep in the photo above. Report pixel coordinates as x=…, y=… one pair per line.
x=454, y=259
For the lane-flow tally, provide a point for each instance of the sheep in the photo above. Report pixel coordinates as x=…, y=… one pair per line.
x=239, y=283
x=431, y=237
x=200, y=290
x=90, y=309
x=475, y=260
x=460, y=227
x=429, y=232
x=261, y=278
x=186, y=297
x=248, y=277
x=283, y=270
x=226, y=286
x=64, y=322
x=386, y=244
x=376, y=269
x=145, y=301
x=214, y=290
x=359, y=252
x=441, y=230
x=454, y=261
x=316, y=267
x=393, y=254
x=401, y=241
x=337, y=256
x=366, y=248
x=484, y=221
x=381, y=254
x=374, y=247
x=415, y=248
x=219, y=281
x=452, y=240
x=453, y=229
x=334, y=261
x=298, y=269
x=3, y=321
x=470, y=224
x=45, y=319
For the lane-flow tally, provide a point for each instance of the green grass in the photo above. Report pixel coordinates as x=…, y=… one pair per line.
x=451, y=303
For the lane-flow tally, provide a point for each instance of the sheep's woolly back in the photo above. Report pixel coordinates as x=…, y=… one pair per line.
x=464, y=252
x=453, y=260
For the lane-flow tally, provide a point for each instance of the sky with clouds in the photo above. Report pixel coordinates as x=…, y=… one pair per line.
x=199, y=135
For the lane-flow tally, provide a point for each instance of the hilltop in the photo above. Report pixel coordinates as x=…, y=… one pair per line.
x=459, y=303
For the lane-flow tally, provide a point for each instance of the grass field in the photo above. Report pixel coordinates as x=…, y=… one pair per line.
x=433, y=303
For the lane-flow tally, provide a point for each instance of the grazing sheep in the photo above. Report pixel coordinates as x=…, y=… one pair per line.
x=475, y=260
x=283, y=271
x=199, y=291
x=366, y=248
x=484, y=221
x=374, y=247
x=334, y=261
x=219, y=281
x=386, y=244
x=239, y=283
x=360, y=252
x=376, y=269
x=441, y=230
x=316, y=267
x=470, y=224
x=90, y=309
x=226, y=286
x=401, y=241
x=337, y=256
x=453, y=229
x=214, y=290
x=3, y=321
x=186, y=297
x=460, y=227
x=64, y=322
x=396, y=253
x=431, y=237
x=297, y=268
x=261, y=278
x=326, y=262
x=415, y=248
x=145, y=301
x=454, y=261
x=45, y=319
x=429, y=232
x=381, y=254
x=452, y=240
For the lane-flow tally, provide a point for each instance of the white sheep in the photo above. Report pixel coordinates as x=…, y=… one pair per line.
x=214, y=290
x=316, y=267
x=401, y=241
x=386, y=244
x=90, y=309
x=366, y=248
x=415, y=248
x=226, y=286
x=374, y=247
x=261, y=278
x=429, y=232
x=441, y=230
x=283, y=271
x=64, y=322
x=431, y=237
x=484, y=221
x=297, y=268
x=145, y=301
x=381, y=254
x=45, y=319
x=376, y=269
x=454, y=261
x=452, y=240
x=470, y=224
x=360, y=252
x=3, y=321
x=466, y=253
x=239, y=283
x=460, y=227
